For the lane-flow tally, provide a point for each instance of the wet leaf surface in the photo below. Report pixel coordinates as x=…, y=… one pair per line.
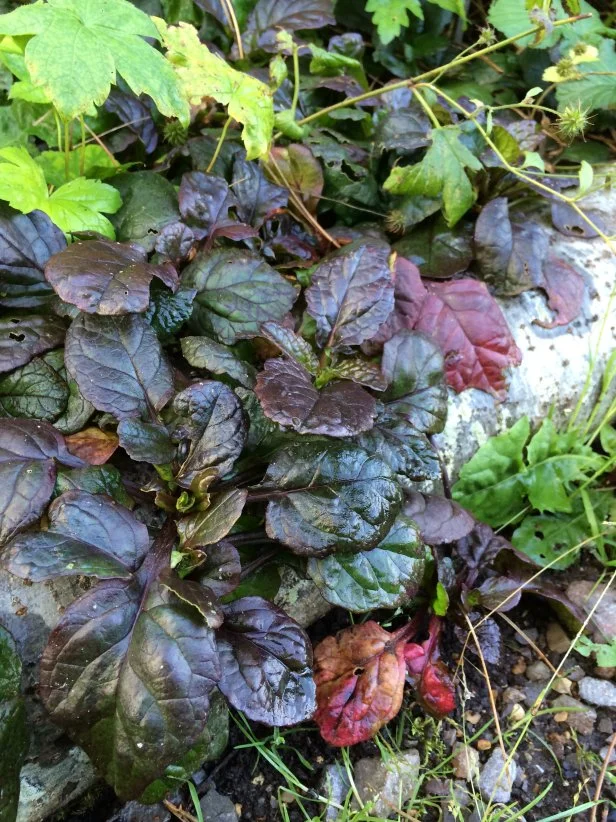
x=23, y=336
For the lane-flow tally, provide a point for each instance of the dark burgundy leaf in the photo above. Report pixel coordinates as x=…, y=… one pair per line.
x=569, y=222
x=136, y=116
x=118, y=364
x=23, y=336
x=220, y=570
x=565, y=288
x=352, y=294
x=205, y=201
x=146, y=441
x=92, y=445
x=28, y=454
x=149, y=203
x=493, y=239
x=296, y=167
x=103, y=277
x=266, y=663
x=257, y=198
x=291, y=344
x=409, y=294
x=212, y=418
x=269, y=16
x=89, y=535
x=469, y=327
x=360, y=676
x=168, y=312
x=175, y=242
x=236, y=293
x=27, y=241
x=288, y=396
x=440, y=520
x=499, y=593
x=413, y=367
x=439, y=251
x=329, y=496
x=128, y=672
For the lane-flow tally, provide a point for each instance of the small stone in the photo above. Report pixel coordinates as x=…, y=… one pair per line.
x=517, y=713
x=598, y=692
x=335, y=786
x=586, y=594
x=561, y=716
x=497, y=777
x=605, y=726
x=562, y=685
x=136, y=812
x=484, y=744
x=217, y=808
x=387, y=784
x=538, y=671
x=557, y=638
x=532, y=692
x=519, y=667
x=512, y=695
x=576, y=673
x=582, y=721
x=604, y=752
x=465, y=762
x=531, y=635
x=472, y=717
x=287, y=797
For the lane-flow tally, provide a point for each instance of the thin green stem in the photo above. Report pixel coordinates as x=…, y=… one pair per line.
x=82, y=155
x=296, y=79
x=427, y=75
x=67, y=148
x=427, y=109
x=221, y=140
x=58, y=128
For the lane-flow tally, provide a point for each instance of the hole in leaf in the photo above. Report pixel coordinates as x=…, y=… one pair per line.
x=17, y=336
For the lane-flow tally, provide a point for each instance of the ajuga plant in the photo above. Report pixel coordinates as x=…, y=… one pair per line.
x=211, y=366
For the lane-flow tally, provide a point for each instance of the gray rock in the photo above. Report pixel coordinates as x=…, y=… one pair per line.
x=136, y=812
x=605, y=726
x=335, y=786
x=387, y=785
x=49, y=785
x=586, y=594
x=538, y=671
x=511, y=695
x=532, y=692
x=581, y=720
x=300, y=598
x=598, y=692
x=217, y=808
x=605, y=750
x=497, y=777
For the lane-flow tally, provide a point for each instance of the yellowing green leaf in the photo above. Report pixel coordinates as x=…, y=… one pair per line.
x=203, y=74
x=89, y=161
x=75, y=206
x=441, y=172
x=78, y=48
x=391, y=16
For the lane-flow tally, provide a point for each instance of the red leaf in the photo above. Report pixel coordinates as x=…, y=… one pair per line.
x=409, y=294
x=466, y=322
x=92, y=445
x=565, y=289
x=360, y=676
x=435, y=691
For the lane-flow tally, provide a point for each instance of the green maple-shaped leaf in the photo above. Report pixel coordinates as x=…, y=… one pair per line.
x=391, y=16
x=441, y=172
x=203, y=74
x=75, y=206
x=79, y=47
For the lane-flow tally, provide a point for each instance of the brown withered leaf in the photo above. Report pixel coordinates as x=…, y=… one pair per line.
x=92, y=445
